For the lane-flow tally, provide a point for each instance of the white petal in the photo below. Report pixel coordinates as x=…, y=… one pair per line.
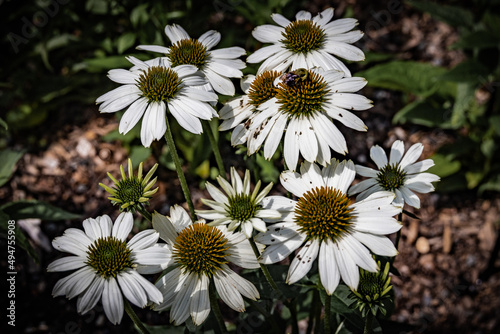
x=112, y=301
x=410, y=198
x=175, y=33
x=397, y=151
x=347, y=267
x=210, y=39
x=164, y=227
x=200, y=301
x=379, y=245
x=91, y=296
x=280, y=19
x=227, y=292
x=132, y=290
x=419, y=167
x=67, y=263
x=411, y=155
x=143, y=239
x=327, y=265
x=123, y=225
x=303, y=261
x=279, y=251
x=186, y=120
x=292, y=182
x=154, y=48
x=378, y=155
x=133, y=115
x=180, y=309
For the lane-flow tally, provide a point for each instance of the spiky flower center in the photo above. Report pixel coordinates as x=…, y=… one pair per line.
x=109, y=256
x=391, y=177
x=323, y=213
x=241, y=207
x=159, y=83
x=370, y=284
x=188, y=51
x=201, y=249
x=262, y=88
x=129, y=190
x=304, y=97
x=303, y=36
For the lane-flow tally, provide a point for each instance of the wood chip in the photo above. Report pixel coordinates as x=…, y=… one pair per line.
x=447, y=240
x=422, y=245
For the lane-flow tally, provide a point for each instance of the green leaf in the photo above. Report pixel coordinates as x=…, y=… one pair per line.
x=464, y=99
x=495, y=124
x=453, y=15
x=268, y=172
x=139, y=15
x=35, y=209
x=469, y=71
x=374, y=57
x=20, y=237
x=106, y=63
x=138, y=154
x=408, y=76
x=9, y=159
x=125, y=41
x=477, y=39
x=493, y=184
x=4, y=124
x=421, y=113
x=444, y=166
x=474, y=178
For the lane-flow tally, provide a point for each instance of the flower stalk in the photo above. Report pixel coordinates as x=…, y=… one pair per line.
x=178, y=167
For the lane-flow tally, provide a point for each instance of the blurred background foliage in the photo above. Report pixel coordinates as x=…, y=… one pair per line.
x=59, y=51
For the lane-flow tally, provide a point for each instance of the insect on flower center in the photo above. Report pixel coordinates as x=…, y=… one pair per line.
x=129, y=190
x=159, y=83
x=201, y=249
x=262, y=88
x=189, y=52
x=303, y=36
x=109, y=256
x=391, y=177
x=241, y=207
x=323, y=213
x=301, y=94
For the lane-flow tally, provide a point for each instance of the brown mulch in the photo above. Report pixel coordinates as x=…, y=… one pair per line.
x=441, y=256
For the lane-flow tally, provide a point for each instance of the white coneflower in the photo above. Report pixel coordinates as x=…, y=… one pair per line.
x=217, y=65
x=239, y=207
x=109, y=267
x=327, y=226
x=201, y=253
x=153, y=88
x=400, y=174
x=301, y=105
x=307, y=42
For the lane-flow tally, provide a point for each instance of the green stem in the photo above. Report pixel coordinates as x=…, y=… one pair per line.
x=264, y=269
x=328, y=300
x=368, y=323
x=178, y=168
x=398, y=235
x=215, y=148
x=145, y=213
x=270, y=319
x=215, y=308
x=137, y=322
